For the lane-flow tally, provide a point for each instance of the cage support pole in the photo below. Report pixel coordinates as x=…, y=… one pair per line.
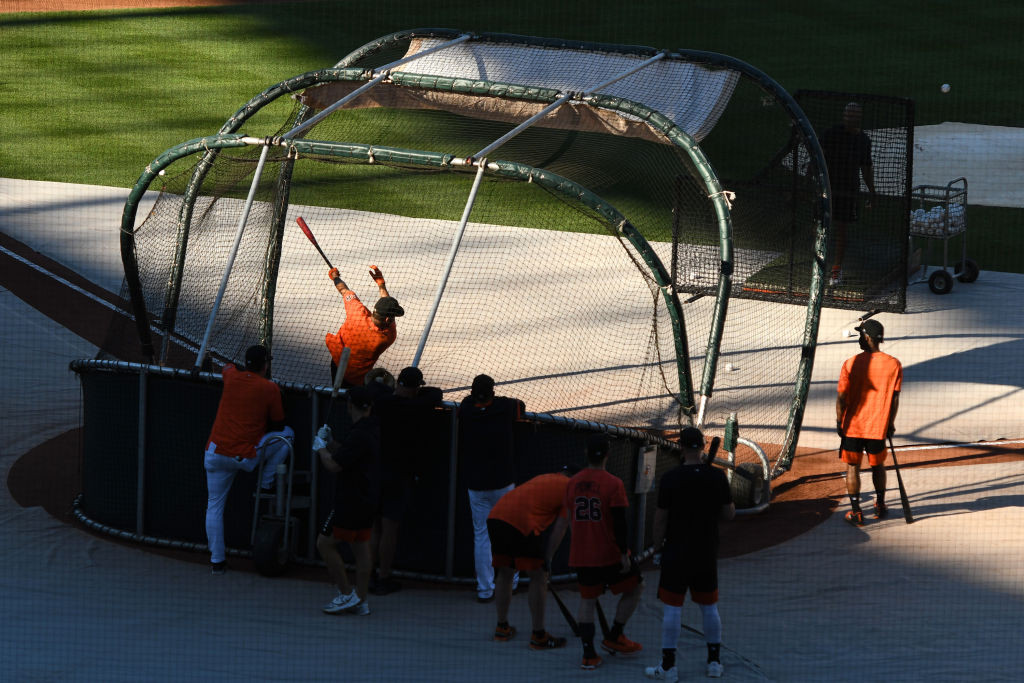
x=451, y=260
x=231, y=257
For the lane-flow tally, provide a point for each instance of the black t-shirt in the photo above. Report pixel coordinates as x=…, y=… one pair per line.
x=357, y=486
x=406, y=424
x=694, y=496
x=845, y=152
x=486, y=442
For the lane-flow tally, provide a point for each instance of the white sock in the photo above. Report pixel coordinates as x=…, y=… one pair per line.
x=671, y=621
x=712, y=623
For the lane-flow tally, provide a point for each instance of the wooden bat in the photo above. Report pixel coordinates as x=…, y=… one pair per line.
x=569, y=618
x=339, y=377
x=309, y=235
x=907, y=514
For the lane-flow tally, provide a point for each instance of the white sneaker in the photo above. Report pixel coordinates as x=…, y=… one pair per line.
x=659, y=674
x=715, y=669
x=341, y=602
x=360, y=609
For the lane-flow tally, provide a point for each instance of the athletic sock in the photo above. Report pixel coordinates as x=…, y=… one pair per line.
x=539, y=634
x=713, y=651
x=855, y=501
x=503, y=624
x=668, y=658
x=587, y=636
x=616, y=631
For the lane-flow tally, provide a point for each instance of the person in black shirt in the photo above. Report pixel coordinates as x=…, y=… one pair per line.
x=847, y=151
x=692, y=498
x=356, y=463
x=403, y=417
x=487, y=465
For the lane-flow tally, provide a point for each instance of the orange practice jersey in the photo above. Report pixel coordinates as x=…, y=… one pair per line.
x=248, y=404
x=364, y=339
x=533, y=507
x=589, y=499
x=869, y=381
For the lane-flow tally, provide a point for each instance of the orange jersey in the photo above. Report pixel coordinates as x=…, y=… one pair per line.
x=533, y=507
x=248, y=404
x=869, y=381
x=589, y=499
x=364, y=339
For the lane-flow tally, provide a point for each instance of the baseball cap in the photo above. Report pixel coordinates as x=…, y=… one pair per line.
x=691, y=437
x=873, y=329
x=571, y=469
x=255, y=356
x=483, y=386
x=388, y=306
x=411, y=377
x=597, y=445
x=360, y=397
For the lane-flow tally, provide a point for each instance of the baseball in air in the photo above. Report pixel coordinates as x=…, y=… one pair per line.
x=945, y=87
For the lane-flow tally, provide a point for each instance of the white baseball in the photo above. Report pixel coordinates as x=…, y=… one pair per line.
x=945, y=87
x=728, y=367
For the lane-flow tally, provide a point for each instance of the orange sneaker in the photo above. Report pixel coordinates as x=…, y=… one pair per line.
x=590, y=662
x=881, y=511
x=503, y=633
x=855, y=517
x=622, y=646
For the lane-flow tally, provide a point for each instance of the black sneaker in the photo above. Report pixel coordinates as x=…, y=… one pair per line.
x=218, y=567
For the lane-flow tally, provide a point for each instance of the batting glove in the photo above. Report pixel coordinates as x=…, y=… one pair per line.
x=333, y=274
x=319, y=443
x=325, y=433
x=839, y=428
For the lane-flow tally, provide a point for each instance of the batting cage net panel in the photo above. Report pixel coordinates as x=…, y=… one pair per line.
x=608, y=231
x=864, y=136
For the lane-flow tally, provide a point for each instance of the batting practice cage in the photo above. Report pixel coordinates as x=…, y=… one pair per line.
x=629, y=240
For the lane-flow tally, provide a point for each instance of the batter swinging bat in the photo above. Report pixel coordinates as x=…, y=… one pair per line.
x=309, y=235
x=569, y=618
x=907, y=515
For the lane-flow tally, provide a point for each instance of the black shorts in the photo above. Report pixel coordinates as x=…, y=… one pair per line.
x=594, y=580
x=510, y=547
x=395, y=497
x=845, y=208
x=699, y=577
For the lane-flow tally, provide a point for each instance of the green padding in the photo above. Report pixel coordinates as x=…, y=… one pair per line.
x=476, y=87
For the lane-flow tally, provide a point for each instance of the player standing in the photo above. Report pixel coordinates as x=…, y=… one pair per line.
x=847, y=151
x=596, y=502
x=250, y=418
x=866, y=404
x=692, y=498
x=366, y=334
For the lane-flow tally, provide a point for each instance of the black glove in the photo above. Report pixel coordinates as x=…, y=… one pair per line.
x=839, y=428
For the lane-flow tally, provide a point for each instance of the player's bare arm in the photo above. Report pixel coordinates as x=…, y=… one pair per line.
x=327, y=460
x=892, y=413
x=378, y=277
x=660, y=527
x=339, y=284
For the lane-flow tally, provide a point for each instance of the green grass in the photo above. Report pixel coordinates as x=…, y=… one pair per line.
x=93, y=97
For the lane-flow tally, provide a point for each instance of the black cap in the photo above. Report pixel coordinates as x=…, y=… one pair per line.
x=411, y=377
x=691, y=437
x=483, y=387
x=597, y=447
x=360, y=397
x=873, y=329
x=388, y=306
x=256, y=356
